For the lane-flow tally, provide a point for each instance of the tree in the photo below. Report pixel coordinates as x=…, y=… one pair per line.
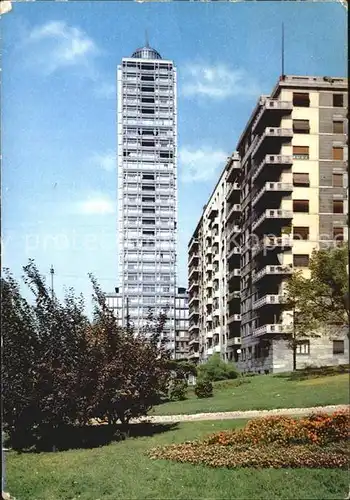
x=330, y=280
x=318, y=303
x=299, y=303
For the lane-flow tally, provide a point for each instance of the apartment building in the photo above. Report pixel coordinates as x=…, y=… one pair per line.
x=181, y=324
x=293, y=180
x=209, y=273
x=115, y=303
x=147, y=186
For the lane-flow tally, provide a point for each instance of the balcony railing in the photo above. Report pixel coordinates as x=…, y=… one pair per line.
x=274, y=161
x=193, y=257
x=193, y=271
x=193, y=299
x=236, y=294
x=235, y=273
x=233, y=341
x=268, y=300
x=235, y=209
x=272, y=328
x=280, y=242
x=273, y=187
x=234, y=188
x=272, y=270
x=233, y=318
x=271, y=104
x=273, y=132
x=273, y=214
x=233, y=229
x=234, y=251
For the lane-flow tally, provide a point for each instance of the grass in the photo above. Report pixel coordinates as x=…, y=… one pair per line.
x=264, y=392
x=122, y=470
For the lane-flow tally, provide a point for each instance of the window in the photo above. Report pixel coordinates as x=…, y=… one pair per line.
x=301, y=100
x=300, y=260
x=300, y=233
x=148, y=144
x=148, y=177
x=148, y=99
x=303, y=347
x=338, y=127
x=148, y=199
x=148, y=188
x=148, y=210
x=301, y=206
x=337, y=180
x=301, y=180
x=146, y=232
x=338, y=234
x=147, y=111
x=148, y=222
x=338, y=346
x=338, y=100
x=337, y=153
x=301, y=152
x=338, y=206
x=301, y=126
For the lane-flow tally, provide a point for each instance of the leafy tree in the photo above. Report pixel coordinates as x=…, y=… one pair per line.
x=319, y=303
x=299, y=304
x=217, y=369
x=203, y=388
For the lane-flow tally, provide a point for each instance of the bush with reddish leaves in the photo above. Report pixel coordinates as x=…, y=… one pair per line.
x=319, y=440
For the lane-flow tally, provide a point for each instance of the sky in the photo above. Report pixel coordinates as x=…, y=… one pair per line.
x=59, y=60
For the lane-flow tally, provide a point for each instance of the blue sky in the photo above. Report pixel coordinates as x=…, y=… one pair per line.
x=59, y=112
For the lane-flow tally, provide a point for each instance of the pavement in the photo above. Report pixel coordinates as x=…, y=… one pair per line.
x=231, y=415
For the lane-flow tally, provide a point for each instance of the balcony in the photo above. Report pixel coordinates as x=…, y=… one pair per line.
x=269, y=106
x=213, y=212
x=194, y=299
x=234, y=251
x=234, y=190
x=268, y=300
x=233, y=168
x=272, y=271
x=272, y=328
x=193, y=258
x=193, y=341
x=193, y=312
x=233, y=341
x=217, y=348
x=279, y=188
x=272, y=133
x=234, y=211
x=194, y=284
x=193, y=327
x=236, y=294
x=210, y=351
x=232, y=230
x=194, y=355
x=193, y=244
x=209, y=267
x=209, y=300
x=279, y=243
x=235, y=273
x=273, y=161
x=217, y=330
x=270, y=215
x=233, y=318
x=193, y=272
x=209, y=318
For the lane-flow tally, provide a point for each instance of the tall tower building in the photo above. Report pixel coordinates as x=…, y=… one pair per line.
x=147, y=186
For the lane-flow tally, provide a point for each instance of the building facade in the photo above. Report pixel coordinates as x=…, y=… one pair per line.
x=212, y=278
x=286, y=195
x=147, y=186
x=293, y=181
x=115, y=303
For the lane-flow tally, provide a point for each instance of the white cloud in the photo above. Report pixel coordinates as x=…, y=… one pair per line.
x=96, y=205
x=57, y=45
x=106, y=161
x=202, y=164
x=217, y=82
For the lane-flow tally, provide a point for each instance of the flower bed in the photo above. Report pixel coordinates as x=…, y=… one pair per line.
x=318, y=441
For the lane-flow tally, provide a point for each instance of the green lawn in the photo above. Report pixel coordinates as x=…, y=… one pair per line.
x=123, y=471
x=264, y=392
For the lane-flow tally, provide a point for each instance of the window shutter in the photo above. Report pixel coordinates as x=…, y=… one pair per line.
x=301, y=179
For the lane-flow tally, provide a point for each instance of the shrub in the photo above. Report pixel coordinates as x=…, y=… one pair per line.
x=316, y=429
x=317, y=441
x=203, y=389
x=177, y=391
x=216, y=369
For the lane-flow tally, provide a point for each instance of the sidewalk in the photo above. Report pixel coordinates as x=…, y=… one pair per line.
x=228, y=415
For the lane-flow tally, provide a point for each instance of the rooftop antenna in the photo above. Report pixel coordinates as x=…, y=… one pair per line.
x=146, y=38
x=282, y=50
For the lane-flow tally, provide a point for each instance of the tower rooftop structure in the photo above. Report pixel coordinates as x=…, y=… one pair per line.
x=146, y=52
